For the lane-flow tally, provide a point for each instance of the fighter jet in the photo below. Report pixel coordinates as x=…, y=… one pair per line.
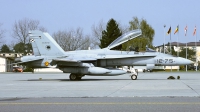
x=97, y=62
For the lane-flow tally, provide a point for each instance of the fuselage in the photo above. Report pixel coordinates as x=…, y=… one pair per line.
x=111, y=58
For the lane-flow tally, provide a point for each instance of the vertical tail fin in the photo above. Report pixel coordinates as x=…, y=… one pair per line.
x=44, y=44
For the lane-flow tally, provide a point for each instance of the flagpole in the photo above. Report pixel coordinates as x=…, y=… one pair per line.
x=164, y=38
x=186, y=45
x=164, y=42
x=169, y=32
x=178, y=46
x=178, y=42
x=170, y=47
x=186, y=53
x=196, y=48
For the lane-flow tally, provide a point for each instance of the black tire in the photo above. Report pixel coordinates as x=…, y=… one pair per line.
x=134, y=77
x=73, y=77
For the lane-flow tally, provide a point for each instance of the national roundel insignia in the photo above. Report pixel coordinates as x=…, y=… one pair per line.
x=48, y=47
x=46, y=63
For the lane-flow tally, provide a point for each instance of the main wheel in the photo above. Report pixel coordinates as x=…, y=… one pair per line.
x=72, y=77
x=133, y=77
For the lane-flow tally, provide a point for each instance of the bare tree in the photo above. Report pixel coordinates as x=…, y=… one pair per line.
x=97, y=31
x=87, y=42
x=22, y=27
x=62, y=37
x=91, y=42
x=43, y=29
x=2, y=32
x=72, y=39
x=123, y=28
x=12, y=44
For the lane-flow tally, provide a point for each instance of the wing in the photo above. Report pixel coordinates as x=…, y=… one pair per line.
x=72, y=61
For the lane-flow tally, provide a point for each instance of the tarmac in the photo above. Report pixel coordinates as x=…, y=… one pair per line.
x=155, y=84
x=50, y=92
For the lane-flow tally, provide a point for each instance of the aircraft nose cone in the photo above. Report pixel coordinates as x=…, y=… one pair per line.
x=191, y=62
x=183, y=61
x=187, y=62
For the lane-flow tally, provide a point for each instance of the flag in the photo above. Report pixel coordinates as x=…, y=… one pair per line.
x=176, y=30
x=169, y=31
x=194, y=31
x=186, y=30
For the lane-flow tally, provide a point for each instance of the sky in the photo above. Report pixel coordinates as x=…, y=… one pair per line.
x=57, y=15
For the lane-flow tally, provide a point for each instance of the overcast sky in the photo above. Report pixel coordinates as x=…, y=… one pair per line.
x=66, y=14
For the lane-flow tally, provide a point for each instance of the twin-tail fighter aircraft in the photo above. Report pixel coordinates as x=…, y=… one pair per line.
x=97, y=62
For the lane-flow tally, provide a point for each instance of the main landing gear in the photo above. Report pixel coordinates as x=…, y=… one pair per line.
x=74, y=77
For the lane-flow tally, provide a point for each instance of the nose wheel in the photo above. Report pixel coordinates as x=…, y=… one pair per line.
x=133, y=77
x=134, y=73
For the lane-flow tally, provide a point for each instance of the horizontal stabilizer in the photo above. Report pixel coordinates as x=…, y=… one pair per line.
x=31, y=60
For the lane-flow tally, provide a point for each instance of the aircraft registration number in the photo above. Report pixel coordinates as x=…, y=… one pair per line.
x=165, y=60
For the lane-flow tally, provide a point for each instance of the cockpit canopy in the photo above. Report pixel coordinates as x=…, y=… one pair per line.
x=125, y=37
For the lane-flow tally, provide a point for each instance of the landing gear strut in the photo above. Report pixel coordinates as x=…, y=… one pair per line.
x=134, y=73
